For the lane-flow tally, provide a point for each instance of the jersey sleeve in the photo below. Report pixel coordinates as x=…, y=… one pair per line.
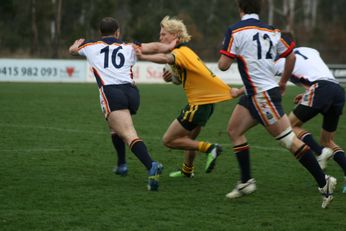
x=228, y=45
x=133, y=56
x=82, y=49
x=81, y=52
x=285, y=46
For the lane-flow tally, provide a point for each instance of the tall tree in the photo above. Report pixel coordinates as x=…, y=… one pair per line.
x=271, y=8
x=56, y=27
x=287, y=12
x=34, y=31
x=310, y=13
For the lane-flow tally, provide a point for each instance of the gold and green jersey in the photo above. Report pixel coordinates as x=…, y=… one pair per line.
x=201, y=86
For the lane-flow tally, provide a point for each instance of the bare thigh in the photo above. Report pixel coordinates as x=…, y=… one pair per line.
x=279, y=126
x=120, y=122
x=178, y=137
x=175, y=130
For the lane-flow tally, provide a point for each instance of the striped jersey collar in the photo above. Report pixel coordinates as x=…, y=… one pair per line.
x=248, y=16
x=110, y=40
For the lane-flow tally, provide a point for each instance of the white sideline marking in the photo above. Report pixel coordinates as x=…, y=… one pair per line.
x=105, y=133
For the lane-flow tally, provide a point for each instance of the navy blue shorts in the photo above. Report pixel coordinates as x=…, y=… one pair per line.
x=265, y=107
x=119, y=97
x=325, y=97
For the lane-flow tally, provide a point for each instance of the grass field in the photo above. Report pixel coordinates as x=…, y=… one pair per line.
x=57, y=157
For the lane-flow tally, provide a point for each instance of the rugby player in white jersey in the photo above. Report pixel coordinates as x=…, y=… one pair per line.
x=255, y=46
x=323, y=95
x=111, y=61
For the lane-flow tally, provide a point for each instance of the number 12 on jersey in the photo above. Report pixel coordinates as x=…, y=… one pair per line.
x=259, y=39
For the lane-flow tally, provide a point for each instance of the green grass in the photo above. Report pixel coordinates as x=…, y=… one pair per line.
x=57, y=157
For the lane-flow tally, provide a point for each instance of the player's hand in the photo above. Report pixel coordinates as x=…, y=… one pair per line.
x=173, y=44
x=137, y=50
x=166, y=75
x=78, y=42
x=74, y=47
x=298, y=98
x=235, y=92
x=136, y=46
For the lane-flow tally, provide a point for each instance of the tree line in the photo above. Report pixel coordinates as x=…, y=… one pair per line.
x=45, y=28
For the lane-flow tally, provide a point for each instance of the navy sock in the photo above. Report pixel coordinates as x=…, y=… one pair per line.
x=242, y=152
x=308, y=160
x=311, y=142
x=339, y=157
x=138, y=147
x=119, y=146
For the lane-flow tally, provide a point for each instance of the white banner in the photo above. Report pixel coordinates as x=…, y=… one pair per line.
x=43, y=70
x=52, y=70
x=147, y=72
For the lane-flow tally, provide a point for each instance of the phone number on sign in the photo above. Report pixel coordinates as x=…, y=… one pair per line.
x=29, y=71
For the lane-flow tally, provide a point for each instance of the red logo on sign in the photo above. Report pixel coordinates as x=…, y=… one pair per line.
x=69, y=71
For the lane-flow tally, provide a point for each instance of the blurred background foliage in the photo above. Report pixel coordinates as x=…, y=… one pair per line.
x=46, y=28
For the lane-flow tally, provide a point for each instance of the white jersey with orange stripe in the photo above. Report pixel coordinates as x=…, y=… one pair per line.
x=255, y=45
x=111, y=60
x=309, y=67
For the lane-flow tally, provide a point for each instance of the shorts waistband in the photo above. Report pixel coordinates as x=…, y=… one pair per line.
x=121, y=85
x=326, y=80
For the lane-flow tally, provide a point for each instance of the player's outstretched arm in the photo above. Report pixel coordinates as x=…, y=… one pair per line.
x=74, y=47
x=157, y=47
x=156, y=58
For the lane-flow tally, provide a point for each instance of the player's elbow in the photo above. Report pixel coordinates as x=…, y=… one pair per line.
x=224, y=63
x=223, y=66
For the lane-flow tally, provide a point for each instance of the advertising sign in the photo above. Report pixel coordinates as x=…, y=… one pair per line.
x=43, y=70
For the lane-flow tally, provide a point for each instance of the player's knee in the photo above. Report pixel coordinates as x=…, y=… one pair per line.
x=286, y=138
x=232, y=133
x=236, y=137
x=167, y=141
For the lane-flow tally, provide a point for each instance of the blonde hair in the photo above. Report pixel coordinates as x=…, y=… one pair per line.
x=176, y=26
